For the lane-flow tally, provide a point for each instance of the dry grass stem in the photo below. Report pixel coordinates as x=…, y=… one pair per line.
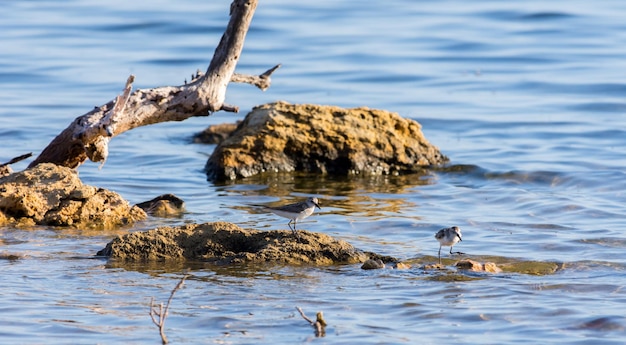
x=161, y=313
x=319, y=324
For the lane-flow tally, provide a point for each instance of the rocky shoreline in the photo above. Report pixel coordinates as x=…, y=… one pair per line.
x=278, y=137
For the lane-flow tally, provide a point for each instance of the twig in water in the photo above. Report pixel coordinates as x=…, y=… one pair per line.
x=319, y=324
x=162, y=313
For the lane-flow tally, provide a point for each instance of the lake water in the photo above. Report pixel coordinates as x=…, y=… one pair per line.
x=527, y=97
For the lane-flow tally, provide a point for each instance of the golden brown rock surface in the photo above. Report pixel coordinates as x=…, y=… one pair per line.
x=48, y=194
x=282, y=137
x=476, y=266
x=166, y=205
x=227, y=243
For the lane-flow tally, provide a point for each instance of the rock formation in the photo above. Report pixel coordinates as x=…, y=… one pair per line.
x=475, y=266
x=282, y=137
x=166, y=205
x=223, y=242
x=48, y=194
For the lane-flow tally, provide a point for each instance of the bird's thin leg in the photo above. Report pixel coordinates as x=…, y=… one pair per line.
x=439, y=254
x=460, y=253
x=295, y=232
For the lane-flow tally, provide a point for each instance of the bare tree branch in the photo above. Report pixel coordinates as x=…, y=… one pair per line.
x=162, y=313
x=227, y=53
x=88, y=135
x=261, y=81
x=319, y=324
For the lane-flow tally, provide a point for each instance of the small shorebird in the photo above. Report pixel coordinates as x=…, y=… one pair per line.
x=296, y=211
x=448, y=237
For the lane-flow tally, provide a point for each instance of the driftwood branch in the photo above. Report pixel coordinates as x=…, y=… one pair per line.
x=88, y=135
x=261, y=81
x=158, y=316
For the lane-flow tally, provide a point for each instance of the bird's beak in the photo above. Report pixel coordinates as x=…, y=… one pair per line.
x=318, y=206
x=459, y=236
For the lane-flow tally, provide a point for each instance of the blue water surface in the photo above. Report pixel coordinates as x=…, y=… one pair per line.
x=527, y=96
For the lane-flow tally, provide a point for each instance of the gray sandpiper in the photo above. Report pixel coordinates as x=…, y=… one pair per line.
x=296, y=212
x=448, y=237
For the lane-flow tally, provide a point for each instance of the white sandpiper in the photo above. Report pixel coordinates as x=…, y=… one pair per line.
x=296, y=211
x=448, y=237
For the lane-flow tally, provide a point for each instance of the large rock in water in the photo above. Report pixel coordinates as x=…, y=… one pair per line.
x=224, y=242
x=48, y=194
x=282, y=137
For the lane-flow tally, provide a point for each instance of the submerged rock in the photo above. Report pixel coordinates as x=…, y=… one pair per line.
x=48, y=194
x=166, y=205
x=499, y=265
x=476, y=266
x=531, y=267
x=282, y=137
x=224, y=242
x=215, y=134
x=372, y=264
